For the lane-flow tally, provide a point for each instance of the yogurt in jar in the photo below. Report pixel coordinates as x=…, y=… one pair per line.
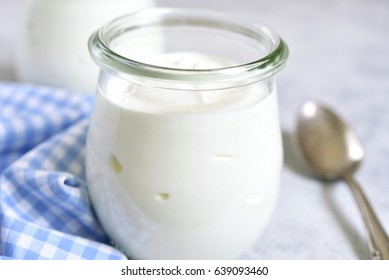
x=184, y=174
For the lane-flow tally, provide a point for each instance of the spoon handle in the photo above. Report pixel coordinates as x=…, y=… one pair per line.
x=377, y=238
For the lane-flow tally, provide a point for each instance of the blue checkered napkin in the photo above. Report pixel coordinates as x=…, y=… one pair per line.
x=30, y=114
x=45, y=212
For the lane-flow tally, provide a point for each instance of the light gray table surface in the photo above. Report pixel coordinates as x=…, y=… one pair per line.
x=339, y=55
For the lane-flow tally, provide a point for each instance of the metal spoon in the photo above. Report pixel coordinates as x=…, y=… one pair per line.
x=334, y=151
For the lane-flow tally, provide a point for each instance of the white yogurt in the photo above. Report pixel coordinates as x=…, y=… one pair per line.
x=184, y=175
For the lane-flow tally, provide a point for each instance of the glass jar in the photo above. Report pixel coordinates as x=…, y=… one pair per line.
x=184, y=149
x=53, y=37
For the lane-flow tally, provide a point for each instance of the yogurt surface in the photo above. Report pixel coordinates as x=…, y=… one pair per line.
x=179, y=174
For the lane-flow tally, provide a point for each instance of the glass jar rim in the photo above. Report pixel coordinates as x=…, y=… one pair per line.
x=260, y=69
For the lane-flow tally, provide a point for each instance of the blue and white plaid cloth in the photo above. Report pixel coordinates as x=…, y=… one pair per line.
x=45, y=212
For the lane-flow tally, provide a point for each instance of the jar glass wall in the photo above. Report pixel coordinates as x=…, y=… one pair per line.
x=184, y=148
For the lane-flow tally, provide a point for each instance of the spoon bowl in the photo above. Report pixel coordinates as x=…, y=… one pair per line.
x=334, y=151
x=328, y=145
